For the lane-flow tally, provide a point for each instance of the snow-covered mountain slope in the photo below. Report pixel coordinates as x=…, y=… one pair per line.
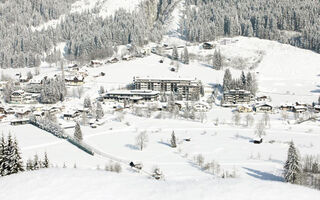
x=99, y=185
x=285, y=73
x=107, y=7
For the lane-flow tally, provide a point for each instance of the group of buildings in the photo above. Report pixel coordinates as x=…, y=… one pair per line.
x=150, y=89
x=246, y=102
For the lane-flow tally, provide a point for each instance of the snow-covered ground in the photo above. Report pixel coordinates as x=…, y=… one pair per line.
x=69, y=184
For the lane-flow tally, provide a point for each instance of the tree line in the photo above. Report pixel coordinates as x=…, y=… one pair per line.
x=292, y=22
x=87, y=36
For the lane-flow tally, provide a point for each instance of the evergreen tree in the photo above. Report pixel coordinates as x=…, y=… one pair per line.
x=292, y=167
x=17, y=160
x=78, y=132
x=173, y=140
x=185, y=56
x=45, y=162
x=87, y=102
x=243, y=81
x=175, y=55
x=3, y=160
x=10, y=158
x=101, y=90
x=217, y=60
x=227, y=80
x=36, y=163
x=29, y=165
x=99, y=111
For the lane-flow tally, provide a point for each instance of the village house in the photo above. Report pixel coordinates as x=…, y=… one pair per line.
x=17, y=122
x=262, y=98
x=183, y=88
x=263, y=108
x=22, y=113
x=244, y=109
x=127, y=57
x=70, y=114
x=74, y=80
x=112, y=60
x=286, y=107
x=2, y=109
x=133, y=96
x=23, y=79
x=201, y=106
x=17, y=96
x=300, y=109
x=94, y=63
x=317, y=108
x=234, y=97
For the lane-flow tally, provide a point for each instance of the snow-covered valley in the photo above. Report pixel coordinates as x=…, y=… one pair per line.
x=218, y=153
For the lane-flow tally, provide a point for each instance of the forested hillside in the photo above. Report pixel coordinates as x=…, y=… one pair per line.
x=87, y=36
x=295, y=22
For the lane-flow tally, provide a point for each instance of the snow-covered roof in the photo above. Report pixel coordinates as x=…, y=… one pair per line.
x=165, y=78
x=133, y=92
x=35, y=81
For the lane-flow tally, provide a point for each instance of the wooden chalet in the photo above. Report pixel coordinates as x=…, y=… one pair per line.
x=263, y=108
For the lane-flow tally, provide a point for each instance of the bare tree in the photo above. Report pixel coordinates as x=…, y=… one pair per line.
x=284, y=115
x=249, y=120
x=266, y=119
x=80, y=91
x=200, y=160
x=236, y=118
x=260, y=129
x=141, y=140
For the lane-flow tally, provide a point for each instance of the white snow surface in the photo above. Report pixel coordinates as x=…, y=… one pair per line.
x=66, y=184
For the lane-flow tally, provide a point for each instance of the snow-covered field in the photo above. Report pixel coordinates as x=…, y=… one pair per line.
x=69, y=184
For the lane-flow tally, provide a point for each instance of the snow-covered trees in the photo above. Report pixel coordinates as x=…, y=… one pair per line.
x=292, y=167
x=10, y=157
x=287, y=22
x=87, y=102
x=101, y=90
x=175, y=55
x=142, y=140
x=185, y=58
x=37, y=163
x=86, y=36
x=217, y=60
x=173, y=140
x=52, y=90
x=248, y=82
x=227, y=79
x=78, y=132
x=48, y=125
x=99, y=111
x=8, y=91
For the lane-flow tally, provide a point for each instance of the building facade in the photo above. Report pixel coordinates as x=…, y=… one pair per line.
x=184, y=89
x=133, y=96
x=237, y=97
